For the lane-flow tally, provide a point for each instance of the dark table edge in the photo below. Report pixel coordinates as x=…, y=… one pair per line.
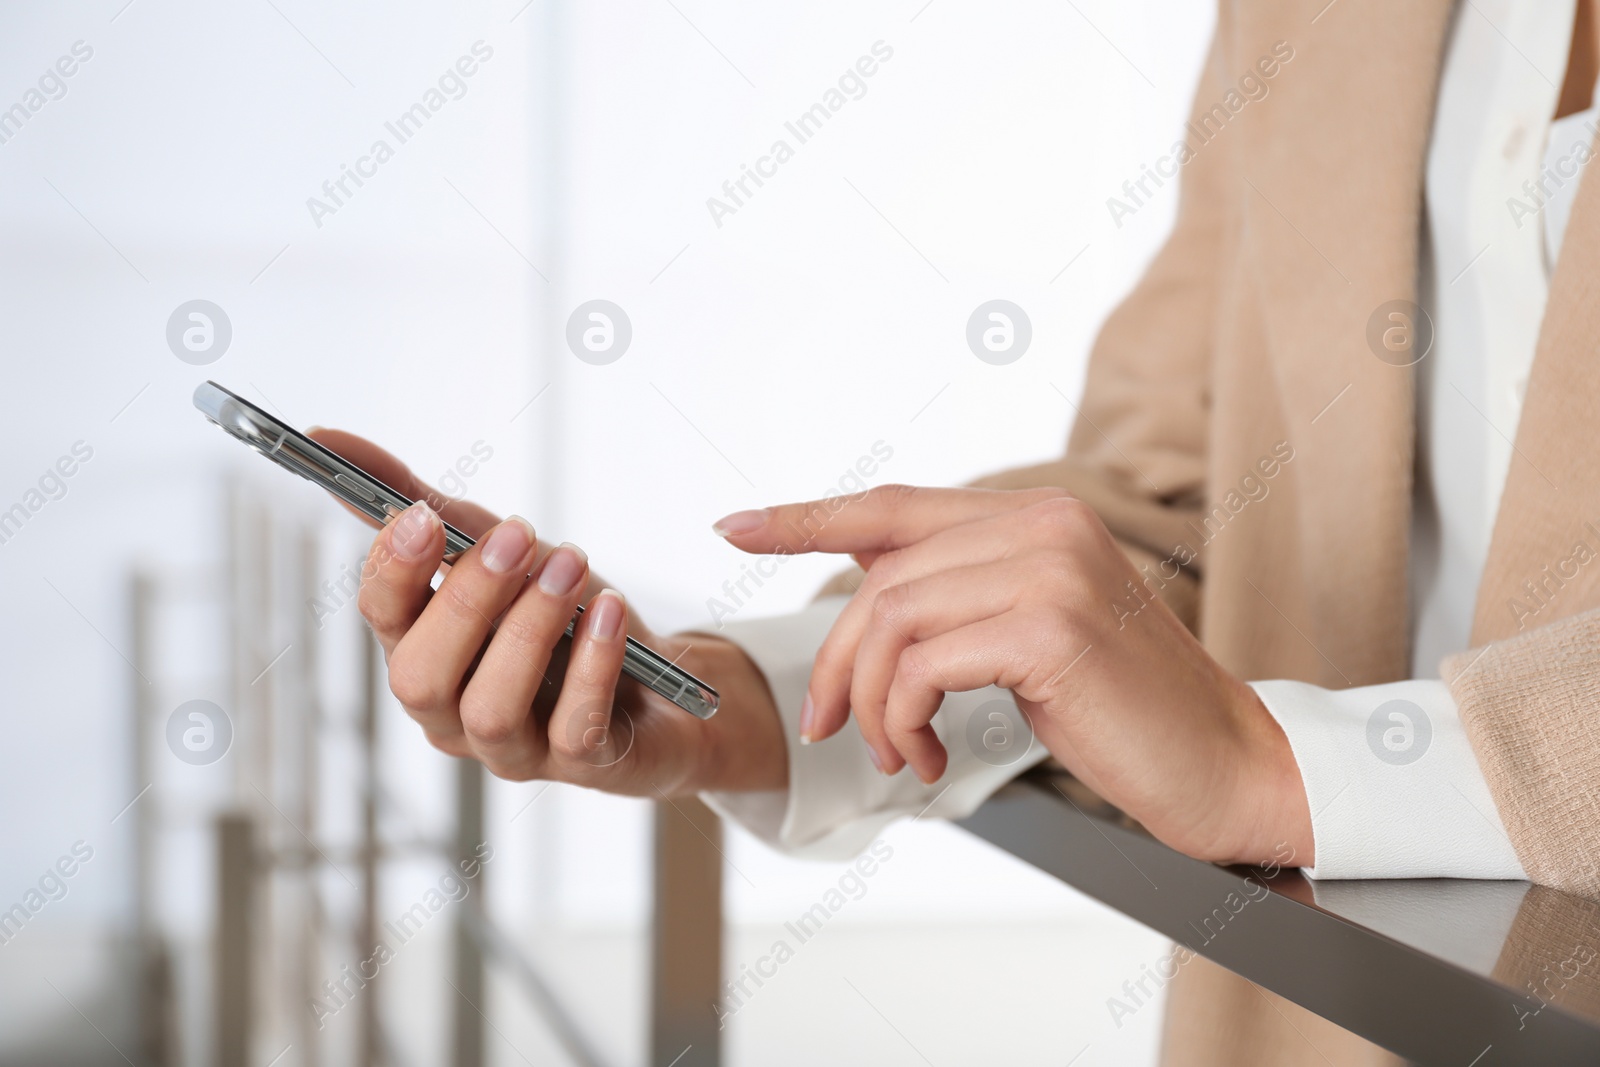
x=1416, y=1005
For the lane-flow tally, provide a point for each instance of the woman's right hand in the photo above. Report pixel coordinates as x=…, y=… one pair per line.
x=481, y=666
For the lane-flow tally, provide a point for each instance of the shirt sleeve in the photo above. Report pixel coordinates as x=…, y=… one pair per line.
x=837, y=802
x=1394, y=788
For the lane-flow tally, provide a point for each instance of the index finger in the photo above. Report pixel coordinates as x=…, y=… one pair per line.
x=471, y=519
x=868, y=524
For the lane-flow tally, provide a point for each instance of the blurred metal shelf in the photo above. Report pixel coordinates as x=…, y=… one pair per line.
x=1439, y=971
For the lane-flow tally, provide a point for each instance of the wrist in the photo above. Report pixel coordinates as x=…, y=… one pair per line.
x=1276, y=809
x=743, y=747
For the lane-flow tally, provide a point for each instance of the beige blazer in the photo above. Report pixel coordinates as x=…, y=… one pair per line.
x=1297, y=220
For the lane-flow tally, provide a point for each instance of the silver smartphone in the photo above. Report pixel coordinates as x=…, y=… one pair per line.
x=291, y=449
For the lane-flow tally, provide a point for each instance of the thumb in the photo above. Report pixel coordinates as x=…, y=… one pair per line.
x=389, y=469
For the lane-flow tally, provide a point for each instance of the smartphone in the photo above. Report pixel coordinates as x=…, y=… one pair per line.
x=291, y=449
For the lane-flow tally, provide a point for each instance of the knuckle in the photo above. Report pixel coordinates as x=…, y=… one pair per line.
x=870, y=725
x=1062, y=510
x=526, y=632
x=913, y=669
x=377, y=606
x=489, y=722
x=885, y=570
x=895, y=603
x=458, y=598
x=893, y=494
x=415, y=687
x=575, y=747
x=899, y=723
x=804, y=521
x=449, y=744
x=569, y=750
x=1062, y=517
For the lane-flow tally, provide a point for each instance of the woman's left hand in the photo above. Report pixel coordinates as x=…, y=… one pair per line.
x=1027, y=590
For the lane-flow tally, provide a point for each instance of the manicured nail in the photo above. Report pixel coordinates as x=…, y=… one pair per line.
x=877, y=760
x=507, y=545
x=608, y=615
x=562, y=570
x=808, y=712
x=740, y=522
x=413, y=531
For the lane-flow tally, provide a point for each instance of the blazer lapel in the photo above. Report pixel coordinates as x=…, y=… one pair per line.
x=1332, y=169
x=1544, y=556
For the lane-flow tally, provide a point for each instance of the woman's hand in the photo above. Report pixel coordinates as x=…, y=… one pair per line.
x=1028, y=591
x=480, y=663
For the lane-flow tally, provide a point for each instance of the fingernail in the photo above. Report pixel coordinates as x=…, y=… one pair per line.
x=413, y=531
x=740, y=522
x=808, y=712
x=507, y=545
x=877, y=760
x=562, y=570
x=608, y=614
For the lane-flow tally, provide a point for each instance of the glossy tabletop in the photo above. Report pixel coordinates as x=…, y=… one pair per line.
x=1450, y=972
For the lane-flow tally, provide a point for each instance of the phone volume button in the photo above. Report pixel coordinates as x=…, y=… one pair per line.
x=356, y=487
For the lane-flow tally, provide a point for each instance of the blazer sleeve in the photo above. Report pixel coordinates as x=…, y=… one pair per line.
x=1531, y=708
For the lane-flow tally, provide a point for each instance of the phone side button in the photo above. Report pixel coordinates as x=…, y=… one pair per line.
x=355, y=487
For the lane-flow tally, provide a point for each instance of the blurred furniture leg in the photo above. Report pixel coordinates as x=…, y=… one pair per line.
x=249, y=583
x=371, y=1049
x=153, y=999
x=686, y=936
x=158, y=1021
x=235, y=957
x=469, y=969
x=307, y=726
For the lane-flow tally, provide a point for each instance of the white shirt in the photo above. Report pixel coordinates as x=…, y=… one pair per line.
x=1404, y=797
x=837, y=802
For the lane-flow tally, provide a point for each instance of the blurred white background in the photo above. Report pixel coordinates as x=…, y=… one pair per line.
x=769, y=352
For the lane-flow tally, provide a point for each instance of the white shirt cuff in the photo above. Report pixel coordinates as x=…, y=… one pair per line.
x=1394, y=788
x=837, y=802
